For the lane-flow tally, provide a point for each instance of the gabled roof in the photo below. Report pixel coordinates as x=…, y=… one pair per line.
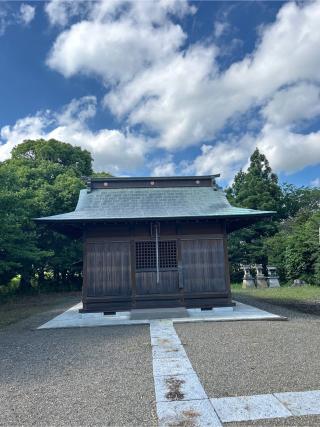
x=114, y=199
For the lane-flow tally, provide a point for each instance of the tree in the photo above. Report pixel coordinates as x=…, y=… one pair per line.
x=296, y=199
x=257, y=188
x=42, y=178
x=55, y=152
x=18, y=247
x=296, y=248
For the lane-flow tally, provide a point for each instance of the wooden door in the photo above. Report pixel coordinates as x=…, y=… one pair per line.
x=203, y=265
x=108, y=269
x=147, y=280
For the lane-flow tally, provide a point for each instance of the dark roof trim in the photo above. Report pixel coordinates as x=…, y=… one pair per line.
x=154, y=178
x=107, y=183
x=120, y=220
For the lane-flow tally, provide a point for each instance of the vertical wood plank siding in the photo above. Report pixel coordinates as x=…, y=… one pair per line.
x=146, y=282
x=203, y=267
x=199, y=278
x=108, y=269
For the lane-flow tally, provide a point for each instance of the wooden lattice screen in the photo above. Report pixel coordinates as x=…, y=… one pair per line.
x=146, y=255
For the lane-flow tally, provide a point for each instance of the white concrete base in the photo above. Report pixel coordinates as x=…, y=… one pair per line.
x=301, y=402
x=248, y=408
x=193, y=413
x=264, y=406
x=73, y=319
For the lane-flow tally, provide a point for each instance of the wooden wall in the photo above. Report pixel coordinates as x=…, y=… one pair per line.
x=111, y=282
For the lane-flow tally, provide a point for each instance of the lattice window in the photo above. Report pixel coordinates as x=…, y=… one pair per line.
x=146, y=255
x=168, y=254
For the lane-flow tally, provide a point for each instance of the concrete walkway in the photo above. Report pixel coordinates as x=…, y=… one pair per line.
x=72, y=318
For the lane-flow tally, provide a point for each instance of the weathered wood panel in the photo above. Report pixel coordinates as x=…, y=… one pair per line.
x=108, y=269
x=203, y=265
x=146, y=282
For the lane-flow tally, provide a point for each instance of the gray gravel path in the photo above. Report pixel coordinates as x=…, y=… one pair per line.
x=83, y=377
x=245, y=358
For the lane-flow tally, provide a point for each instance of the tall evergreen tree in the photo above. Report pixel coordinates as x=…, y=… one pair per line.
x=257, y=188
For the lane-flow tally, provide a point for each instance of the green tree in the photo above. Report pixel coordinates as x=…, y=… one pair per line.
x=257, y=188
x=42, y=178
x=18, y=248
x=295, y=248
x=295, y=199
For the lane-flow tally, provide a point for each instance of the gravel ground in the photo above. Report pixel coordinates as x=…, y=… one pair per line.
x=246, y=358
x=85, y=376
x=103, y=376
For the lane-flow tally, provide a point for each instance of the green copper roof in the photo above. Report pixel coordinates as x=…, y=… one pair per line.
x=183, y=202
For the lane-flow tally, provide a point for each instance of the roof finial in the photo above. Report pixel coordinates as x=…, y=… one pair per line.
x=214, y=184
x=89, y=186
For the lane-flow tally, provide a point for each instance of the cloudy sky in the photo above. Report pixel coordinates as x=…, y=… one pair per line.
x=166, y=87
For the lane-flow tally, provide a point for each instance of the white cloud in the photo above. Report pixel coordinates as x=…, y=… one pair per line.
x=163, y=167
x=27, y=13
x=186, y=100
x=315, y=182
x=59, y=11
x=288, y=151
x=127, y=49
x=112, y=150
x=177, y=91
x=4, y=21
x=220, y=28
x=31, y=127
x=293, y=104
x=173, y=99
x=9, y=17
x=226, y=158
x=116, y=49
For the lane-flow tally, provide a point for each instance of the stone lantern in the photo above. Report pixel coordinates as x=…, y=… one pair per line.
x=273, y=278
x=261, y=280
x=248, y=280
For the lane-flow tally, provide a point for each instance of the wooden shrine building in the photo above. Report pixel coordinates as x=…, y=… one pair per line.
x=154, y=242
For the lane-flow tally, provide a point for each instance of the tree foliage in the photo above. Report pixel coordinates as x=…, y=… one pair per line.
x=290, y=240
x=41, y=178
x=257, y=188
x=295, y=248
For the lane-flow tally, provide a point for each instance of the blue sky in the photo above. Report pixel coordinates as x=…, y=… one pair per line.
x=166, y=87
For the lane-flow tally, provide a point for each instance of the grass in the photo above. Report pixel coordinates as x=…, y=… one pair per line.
x=22, y=307
x=302, y=293
x=304, y=298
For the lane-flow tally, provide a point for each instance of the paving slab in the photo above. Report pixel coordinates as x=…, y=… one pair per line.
x=174, y=351
x=246, y=408
x=194, y=413
x=176, y=384
x=301, y=403
x=175, y=366
x=178, y=387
